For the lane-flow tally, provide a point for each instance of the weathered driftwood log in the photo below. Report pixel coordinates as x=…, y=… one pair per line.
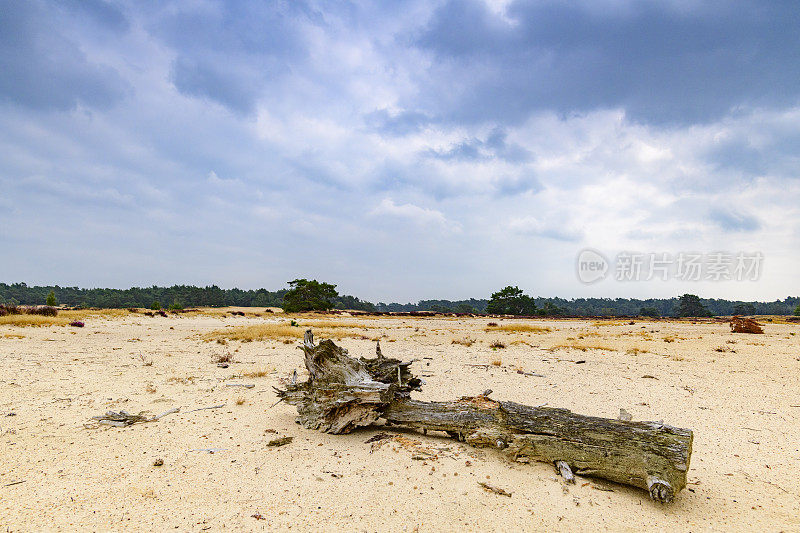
x=343, y=393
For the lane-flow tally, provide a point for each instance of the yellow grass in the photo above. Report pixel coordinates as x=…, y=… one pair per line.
x=13, y=336
x=188, y=380
x=259, y=373
x=635, y=350
x=62, y=319
x=286, y=332
x=599, y=323
x=33, y=320
x=581, y=346
x=519, y=328
x=256, y=332
x=332, y=324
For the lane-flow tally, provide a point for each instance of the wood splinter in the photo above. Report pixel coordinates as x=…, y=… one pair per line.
x=343, y=393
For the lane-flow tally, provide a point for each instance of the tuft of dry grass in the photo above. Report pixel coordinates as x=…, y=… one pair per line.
x=150, y=388
x=519, y=328
x=636, y=351
x=581, y=346
x=13, y=336
x=259, y=373
x=497, y=362
x=464, y=342
x=599, y=323
x=187, y=380
x=240, y=401
x=223, y=358
x=497, y=344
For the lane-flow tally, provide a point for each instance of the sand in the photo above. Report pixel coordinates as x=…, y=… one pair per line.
x=60, y=471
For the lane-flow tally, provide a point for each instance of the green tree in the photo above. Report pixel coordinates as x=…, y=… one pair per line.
x=51, y=299
x=652, y=312
x=797, y=311
x=744, y=309
x=690, y=305
x=511, y=301
x=305, y=295
x=156, y=305
x=550, y=309
x=466, y=309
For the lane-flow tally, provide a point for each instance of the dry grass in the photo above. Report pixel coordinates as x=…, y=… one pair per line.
x=223, y=358
x=519, y=328
x=183, y=380
x=256, y=332
x=497, y=362
x=581, y=346
x=497, y=344
x=259, y=373
x=150, y=388
x=636, y=350
x=240, y=401
x=599, y=323
x=33, y=320
x=323, y=329
x=463, y=342
x=62, y=319
x=13, y=336
x=325, y=324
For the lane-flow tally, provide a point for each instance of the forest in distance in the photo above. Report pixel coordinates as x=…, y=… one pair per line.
x=181, y=296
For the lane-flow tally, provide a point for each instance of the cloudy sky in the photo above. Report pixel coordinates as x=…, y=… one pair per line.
x=403, y=150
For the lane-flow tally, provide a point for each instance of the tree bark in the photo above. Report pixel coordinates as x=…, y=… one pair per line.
x=343, y=393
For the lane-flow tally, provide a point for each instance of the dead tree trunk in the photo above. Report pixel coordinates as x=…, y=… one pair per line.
x=343, y=392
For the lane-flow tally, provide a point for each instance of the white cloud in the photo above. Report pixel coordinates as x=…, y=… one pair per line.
x=420, y=216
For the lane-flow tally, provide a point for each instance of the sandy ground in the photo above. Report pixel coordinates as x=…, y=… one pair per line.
x=59, y=471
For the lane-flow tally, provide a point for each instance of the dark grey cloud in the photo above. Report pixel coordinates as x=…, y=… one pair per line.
x=662, y=62
x=44, y=68
x=232, y=52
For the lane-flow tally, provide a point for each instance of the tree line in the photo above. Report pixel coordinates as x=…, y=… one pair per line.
x=311, y=294
x=175, y=297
